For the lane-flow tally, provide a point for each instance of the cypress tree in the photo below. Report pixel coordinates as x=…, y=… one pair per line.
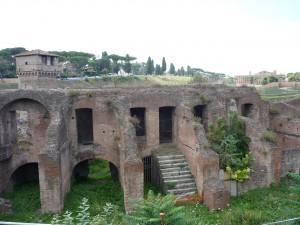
x=163, y=65
x=172, y=69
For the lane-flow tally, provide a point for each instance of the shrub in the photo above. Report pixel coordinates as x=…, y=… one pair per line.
x=228, y=138
x=148, y=211
x=269, y=136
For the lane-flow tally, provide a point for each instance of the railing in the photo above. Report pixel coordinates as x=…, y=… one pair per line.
x=5, y=152
x=156, y=174
x=291, y=221
x=16, y=223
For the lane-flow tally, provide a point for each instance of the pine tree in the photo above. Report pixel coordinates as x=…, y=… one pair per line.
x=172, y=69
x=163, y=65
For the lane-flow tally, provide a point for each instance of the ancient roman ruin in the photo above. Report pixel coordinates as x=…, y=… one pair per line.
x=49, y=135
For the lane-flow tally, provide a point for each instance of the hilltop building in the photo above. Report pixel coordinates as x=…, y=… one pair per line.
x=37, y=68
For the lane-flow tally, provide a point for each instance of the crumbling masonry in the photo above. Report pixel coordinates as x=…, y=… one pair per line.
x=47, y=135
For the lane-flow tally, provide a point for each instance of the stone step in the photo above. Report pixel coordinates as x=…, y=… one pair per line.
x=166, y=157
x=174, y=169
x=179, y=180
x=178, y=177
x=187, y=185
x=186, y=194
x=172, y=165
x=175, y=173
x=182, y=191
x=171, y=161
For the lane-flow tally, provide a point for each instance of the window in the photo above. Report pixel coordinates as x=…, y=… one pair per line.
x=139, y=115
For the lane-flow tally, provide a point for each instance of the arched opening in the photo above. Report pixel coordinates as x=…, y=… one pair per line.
x=247, y=110
x=25, y=194
x=25, y=174
x=97, y=180
x=23, y=126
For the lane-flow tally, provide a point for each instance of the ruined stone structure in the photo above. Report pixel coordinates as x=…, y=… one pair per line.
x=48, y=135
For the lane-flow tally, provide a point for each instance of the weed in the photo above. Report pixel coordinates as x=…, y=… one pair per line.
x=269, y=136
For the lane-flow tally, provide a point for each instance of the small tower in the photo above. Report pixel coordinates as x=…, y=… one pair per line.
x=37, y=69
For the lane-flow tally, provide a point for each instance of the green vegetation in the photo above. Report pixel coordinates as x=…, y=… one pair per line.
x=148, y=211
x=7, y=62
x=276, y=94
x=269, y=136
x=229, y=140
x=254, y=207
x=293, y=76
x=269, y=79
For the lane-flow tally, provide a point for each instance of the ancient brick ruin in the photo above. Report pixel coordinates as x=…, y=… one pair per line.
x=48, y=135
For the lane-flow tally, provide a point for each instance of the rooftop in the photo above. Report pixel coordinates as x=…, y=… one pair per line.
x=35, y=52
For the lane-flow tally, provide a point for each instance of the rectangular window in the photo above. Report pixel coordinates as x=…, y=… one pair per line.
x=139, y=117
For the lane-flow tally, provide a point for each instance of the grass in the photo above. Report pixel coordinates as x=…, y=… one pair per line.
x=276, y=94
x=255, y=207
x=125, y=81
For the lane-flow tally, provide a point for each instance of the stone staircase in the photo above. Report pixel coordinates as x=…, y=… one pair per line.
x=176, y=175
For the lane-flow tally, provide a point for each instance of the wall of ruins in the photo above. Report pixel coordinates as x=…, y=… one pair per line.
x=56, y=149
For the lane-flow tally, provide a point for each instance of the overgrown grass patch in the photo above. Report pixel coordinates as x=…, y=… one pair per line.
x=254, y=207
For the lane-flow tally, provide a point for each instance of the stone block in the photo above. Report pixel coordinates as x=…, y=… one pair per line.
x=216, y=199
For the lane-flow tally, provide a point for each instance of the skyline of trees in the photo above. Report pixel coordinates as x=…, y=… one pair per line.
x=86, y=64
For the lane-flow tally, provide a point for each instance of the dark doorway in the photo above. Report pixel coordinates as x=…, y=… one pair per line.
x=200, y=112
x=26, y=173
x=166, y=124
x=139, y=114
x=84, y=121
x=247, y=110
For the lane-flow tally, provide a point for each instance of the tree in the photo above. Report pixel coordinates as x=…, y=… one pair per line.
x=116, y=65
x=149, y=70
x=127, y=64
x=158, y=70
x=182, y=71
x=7, y=61
x=152, y=66
x=269, y=79
x=172, y=69
x=163, y=65
x=189, y=71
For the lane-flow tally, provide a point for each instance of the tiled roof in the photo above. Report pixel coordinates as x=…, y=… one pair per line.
x=35, y=52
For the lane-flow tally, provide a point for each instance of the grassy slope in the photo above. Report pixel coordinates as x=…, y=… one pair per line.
x=280, y=94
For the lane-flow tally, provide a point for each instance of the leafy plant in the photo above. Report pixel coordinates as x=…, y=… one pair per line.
x=148, y=211
x=228, y=138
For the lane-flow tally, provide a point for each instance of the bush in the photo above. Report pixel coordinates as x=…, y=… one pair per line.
x=269, y=136
x=148, y=211
x=229, y=140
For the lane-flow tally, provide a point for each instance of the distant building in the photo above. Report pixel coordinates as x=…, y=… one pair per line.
x=37, y=68
x=255, y=79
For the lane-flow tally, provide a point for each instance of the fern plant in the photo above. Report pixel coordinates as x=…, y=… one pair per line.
x=148, y=211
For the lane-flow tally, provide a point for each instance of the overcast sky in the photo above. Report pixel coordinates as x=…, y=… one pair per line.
x=230, y=36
